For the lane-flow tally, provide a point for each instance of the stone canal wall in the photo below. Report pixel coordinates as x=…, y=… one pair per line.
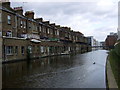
x=21, y=49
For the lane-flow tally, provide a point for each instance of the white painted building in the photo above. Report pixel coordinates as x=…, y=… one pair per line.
x=93, y=42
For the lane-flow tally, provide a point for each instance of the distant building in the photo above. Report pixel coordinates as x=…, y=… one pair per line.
x=102, y=43
x=93, y=42
x=118, y=34
x=111, y=40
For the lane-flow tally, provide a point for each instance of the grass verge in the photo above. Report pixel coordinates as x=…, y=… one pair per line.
x=115, y=65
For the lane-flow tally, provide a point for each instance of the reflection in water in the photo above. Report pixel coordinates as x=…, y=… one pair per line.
x=57, y=71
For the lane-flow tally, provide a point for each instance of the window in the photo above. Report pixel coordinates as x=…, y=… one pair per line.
x=42, y=49
x=0, y=33
x=33, y=48
x=22, y=49
x=57, y=32
x=40, y=28
x=48, y=49
x=21, y=23
x=36, y=27
x=0, y=17
x=29, y=25
x=9, y=19
x=51, y=31
x=24, y=24
x=66, y=35
x=9, y=34
x=9, y=50
x=76, y=38
x=70, y=36
x=68, y=48
x=48, y=31
x=32, y=26
x=16, y=49
x=44, y=30
x=30, y=48
x=37, y=48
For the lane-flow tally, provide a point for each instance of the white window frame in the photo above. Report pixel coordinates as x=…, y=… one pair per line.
x=9, y=19
x=44, y=29
x=0, y=17
x=21, y=24
x=51, y=31
x=9, y=33
x=24, y=24
x=32, y=26
x=9, y=50
x=40, y=28
x=22, y=49
x=30, y=48
x=36, y=27
x=48, y=50
x=48, y=31
x=58, y=32
x=42, y=49
x=29, y=25
x=66, y=35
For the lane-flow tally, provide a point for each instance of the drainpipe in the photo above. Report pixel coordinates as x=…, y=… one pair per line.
x=16, y=25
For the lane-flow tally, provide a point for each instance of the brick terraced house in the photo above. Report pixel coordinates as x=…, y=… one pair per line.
x=111, y=40
x=22, y=33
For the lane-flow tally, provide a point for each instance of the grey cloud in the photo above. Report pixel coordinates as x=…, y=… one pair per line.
x=75, y=13
x=103, y=32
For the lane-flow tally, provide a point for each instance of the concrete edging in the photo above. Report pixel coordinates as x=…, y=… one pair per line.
x=111, y=82
x=19, y=60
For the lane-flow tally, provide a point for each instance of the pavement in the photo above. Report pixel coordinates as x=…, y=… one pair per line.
x=110, y=77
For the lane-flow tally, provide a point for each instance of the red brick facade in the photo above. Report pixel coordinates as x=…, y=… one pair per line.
x=110, y=41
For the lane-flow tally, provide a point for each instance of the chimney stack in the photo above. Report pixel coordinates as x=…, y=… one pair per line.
x=46, y=22
x=4, y=0
x=29, y=14
x=39, y=19
x=5, y=4
x=52, y=24
x=19, y=10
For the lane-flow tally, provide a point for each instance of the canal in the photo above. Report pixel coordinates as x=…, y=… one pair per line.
x=66, y=71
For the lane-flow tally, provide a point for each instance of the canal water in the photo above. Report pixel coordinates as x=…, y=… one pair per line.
x=66, y=71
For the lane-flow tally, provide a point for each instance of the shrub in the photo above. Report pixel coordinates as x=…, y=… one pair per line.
x=117, y=48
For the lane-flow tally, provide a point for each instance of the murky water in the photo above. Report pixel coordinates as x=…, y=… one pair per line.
x=67, y=71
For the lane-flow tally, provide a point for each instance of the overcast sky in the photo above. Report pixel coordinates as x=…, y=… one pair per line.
x=93, y=18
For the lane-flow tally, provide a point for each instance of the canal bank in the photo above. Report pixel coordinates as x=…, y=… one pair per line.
x=112, y=67
x=111, y=82
x=40, y=57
